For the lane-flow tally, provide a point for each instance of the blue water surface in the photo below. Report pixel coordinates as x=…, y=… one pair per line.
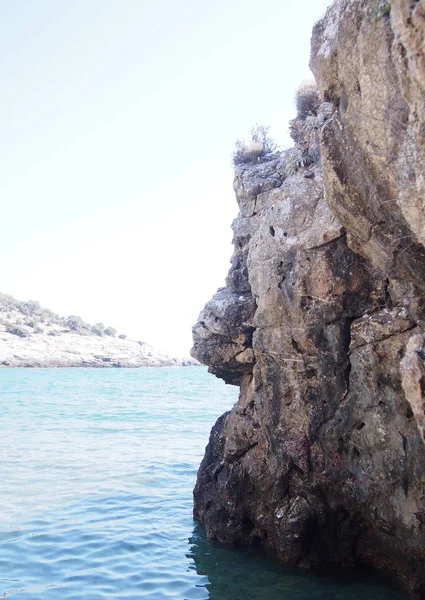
x=97, y=471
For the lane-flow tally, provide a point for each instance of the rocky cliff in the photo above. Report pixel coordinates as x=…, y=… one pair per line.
x=322, y=319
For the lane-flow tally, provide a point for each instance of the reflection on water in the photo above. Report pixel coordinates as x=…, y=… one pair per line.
x=245, y=574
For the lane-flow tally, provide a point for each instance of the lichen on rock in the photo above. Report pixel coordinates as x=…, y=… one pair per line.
x=321, y=322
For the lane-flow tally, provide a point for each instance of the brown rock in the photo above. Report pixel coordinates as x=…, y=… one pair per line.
x=321, y=322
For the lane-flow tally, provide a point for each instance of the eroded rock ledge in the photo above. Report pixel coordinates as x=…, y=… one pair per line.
x=322, y=320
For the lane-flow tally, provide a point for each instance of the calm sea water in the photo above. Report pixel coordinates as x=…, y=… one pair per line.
x=97, y=470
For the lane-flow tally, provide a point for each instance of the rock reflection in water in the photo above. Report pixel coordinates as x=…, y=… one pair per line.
x=256, y=574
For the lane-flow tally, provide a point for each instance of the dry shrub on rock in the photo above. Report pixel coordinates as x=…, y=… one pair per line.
x=260, y=148
x=307, y=99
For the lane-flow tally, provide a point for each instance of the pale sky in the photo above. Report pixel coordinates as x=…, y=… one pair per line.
x=119, y=118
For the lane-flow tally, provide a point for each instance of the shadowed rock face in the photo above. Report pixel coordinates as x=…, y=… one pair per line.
x=321, y=322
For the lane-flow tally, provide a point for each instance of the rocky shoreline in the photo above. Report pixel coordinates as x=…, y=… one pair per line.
x=73, y=350
x=32, y=336
x=322, y=320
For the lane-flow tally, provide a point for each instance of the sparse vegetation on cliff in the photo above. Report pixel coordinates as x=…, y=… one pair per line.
x=303, y=129
x=259, y=149
x=307, y=99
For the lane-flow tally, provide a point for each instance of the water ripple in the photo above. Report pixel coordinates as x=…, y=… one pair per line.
x=98, y=468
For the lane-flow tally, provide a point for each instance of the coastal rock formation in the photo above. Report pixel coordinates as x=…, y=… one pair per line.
x=322, y=320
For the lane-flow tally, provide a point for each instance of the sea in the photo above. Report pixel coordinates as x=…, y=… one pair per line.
x=97, y=468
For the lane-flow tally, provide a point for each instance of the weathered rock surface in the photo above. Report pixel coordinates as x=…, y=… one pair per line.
x=322, y=321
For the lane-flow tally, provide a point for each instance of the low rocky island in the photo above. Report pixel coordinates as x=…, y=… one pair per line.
x=322, y=320
x=32, y=336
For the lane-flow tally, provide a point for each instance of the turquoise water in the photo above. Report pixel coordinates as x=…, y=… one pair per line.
x=97, y=470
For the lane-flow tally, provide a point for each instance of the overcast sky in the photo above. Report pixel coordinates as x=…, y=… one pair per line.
x=119, y=118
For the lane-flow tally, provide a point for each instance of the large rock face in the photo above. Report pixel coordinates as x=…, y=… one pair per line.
x=322, y=320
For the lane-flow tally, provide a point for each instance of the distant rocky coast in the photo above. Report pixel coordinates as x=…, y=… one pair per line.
x=32, y=336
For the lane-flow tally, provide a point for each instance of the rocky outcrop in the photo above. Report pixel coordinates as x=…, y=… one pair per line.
x=322, y=319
